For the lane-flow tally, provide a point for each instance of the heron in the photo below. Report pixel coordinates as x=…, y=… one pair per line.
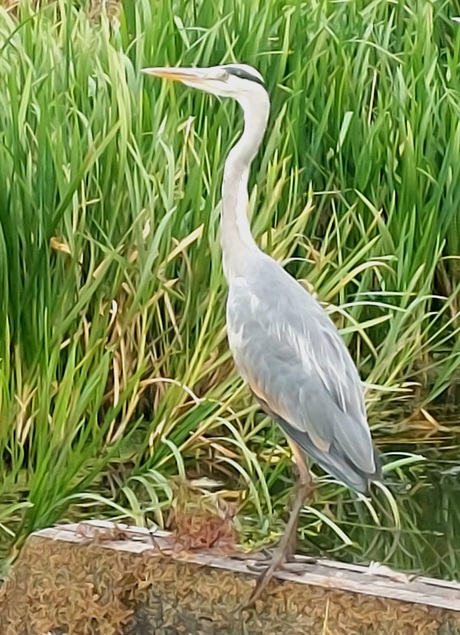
x=284, y=344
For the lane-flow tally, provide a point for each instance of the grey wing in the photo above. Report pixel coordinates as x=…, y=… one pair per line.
x=295, y=362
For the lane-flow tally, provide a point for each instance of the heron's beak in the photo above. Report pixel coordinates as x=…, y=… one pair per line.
x=191, y=76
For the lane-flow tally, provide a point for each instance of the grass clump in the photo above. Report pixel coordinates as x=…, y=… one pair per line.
x=114, y=369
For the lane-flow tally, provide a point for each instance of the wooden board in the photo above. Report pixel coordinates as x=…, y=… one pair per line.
x=97, y=578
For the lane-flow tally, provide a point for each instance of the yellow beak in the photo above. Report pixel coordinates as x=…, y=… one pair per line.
x=192, y=75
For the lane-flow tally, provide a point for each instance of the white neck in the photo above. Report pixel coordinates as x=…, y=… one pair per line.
x=237, y=240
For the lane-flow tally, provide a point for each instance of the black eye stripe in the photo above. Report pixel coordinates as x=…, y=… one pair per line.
x=239, y=72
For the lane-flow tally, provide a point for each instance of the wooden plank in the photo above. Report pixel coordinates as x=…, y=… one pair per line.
x=69, y=577
x=324, y=573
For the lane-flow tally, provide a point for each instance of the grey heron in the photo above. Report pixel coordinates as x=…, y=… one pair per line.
x=284, y=344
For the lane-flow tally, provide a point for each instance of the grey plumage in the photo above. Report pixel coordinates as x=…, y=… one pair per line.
x=290, y=353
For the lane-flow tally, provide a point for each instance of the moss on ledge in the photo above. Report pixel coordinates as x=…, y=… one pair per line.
x=63, y=583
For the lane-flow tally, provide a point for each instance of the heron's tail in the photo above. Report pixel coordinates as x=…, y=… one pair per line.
x=335, y=460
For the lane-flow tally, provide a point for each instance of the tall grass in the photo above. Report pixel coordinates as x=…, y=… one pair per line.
x=114, y=369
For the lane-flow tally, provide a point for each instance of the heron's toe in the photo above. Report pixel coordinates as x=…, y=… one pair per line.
x=291, y=563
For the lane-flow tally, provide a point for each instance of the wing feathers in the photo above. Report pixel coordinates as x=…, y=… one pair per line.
x=293, y=358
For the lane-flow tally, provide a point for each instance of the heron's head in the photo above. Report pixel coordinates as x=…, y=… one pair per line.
x=231, y=80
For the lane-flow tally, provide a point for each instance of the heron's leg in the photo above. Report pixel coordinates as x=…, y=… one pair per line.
x=286, y=547
x=304, y=491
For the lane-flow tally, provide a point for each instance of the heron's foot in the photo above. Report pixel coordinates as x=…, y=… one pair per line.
x=290, y=562
x=262, y=555
x=286, y=548
x=279, y=560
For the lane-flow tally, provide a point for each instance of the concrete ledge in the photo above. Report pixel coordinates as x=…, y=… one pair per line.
x=114, y=580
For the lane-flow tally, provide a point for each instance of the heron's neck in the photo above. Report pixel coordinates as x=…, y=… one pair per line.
x=237, y=240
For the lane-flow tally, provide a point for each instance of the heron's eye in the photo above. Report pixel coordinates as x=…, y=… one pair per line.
x=223, y=76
